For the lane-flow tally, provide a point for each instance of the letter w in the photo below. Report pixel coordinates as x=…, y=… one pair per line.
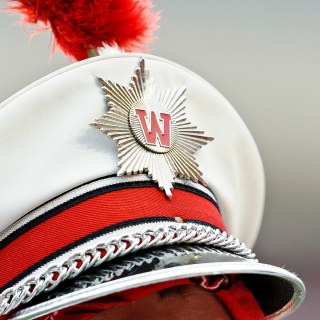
x=155, y=130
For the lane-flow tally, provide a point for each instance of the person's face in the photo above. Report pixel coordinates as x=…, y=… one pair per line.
x=192, y=303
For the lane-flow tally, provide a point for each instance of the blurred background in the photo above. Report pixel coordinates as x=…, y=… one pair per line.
x=264, y=56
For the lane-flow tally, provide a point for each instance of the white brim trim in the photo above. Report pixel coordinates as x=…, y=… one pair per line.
x=179, y=272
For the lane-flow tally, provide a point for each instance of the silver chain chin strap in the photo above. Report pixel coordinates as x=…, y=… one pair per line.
x=120, y=267
x=113, y=248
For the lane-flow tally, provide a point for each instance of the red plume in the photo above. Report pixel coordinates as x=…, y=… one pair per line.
x=83, y=25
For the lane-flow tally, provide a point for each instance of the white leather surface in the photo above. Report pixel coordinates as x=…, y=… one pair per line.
x=47, y=145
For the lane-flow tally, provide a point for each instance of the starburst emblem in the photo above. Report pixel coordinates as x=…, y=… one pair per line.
x=151, y=130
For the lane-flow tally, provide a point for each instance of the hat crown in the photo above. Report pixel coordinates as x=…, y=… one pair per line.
x=47, y=141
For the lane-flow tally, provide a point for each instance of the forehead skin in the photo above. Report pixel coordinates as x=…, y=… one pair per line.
x=189, y=304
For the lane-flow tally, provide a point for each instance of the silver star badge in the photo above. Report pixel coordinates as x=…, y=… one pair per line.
x=151, y=130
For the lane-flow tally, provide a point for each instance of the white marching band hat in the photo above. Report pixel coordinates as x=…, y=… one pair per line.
x=129, y=172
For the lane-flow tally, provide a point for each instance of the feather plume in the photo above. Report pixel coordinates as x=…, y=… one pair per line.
x=84, y=26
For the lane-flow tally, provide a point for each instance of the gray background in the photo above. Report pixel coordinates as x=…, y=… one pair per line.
x=264, y=57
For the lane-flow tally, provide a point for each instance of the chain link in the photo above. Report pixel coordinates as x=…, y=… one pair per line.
x=12, y=297
x=129, y=265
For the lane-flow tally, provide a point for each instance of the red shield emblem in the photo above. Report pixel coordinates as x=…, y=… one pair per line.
x=158, y=128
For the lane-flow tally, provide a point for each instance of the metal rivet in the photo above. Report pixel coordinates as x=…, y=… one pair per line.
x=178, y=219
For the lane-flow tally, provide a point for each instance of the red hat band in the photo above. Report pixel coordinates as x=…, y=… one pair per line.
x=93, y=223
